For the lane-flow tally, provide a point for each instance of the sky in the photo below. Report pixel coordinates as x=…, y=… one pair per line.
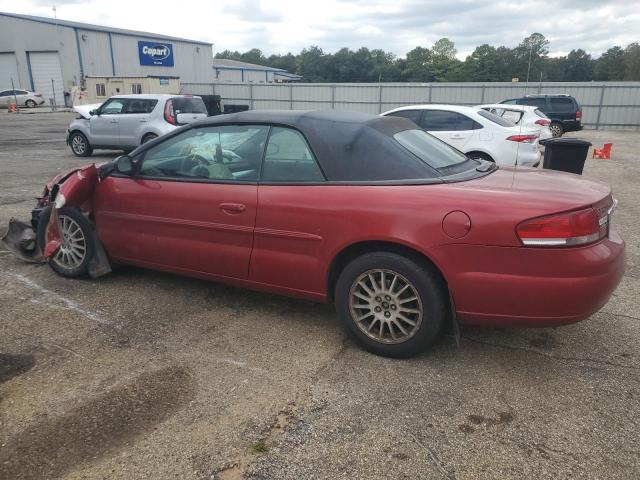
x=280, y=26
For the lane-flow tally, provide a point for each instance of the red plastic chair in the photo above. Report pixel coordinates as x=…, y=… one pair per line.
x=603, y=153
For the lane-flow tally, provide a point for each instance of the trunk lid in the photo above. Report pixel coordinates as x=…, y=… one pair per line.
x=551, y=190
x=509, y=196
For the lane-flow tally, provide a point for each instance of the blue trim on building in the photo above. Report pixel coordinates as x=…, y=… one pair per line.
x=30, y=72
x=75, y=30
x=113, y=62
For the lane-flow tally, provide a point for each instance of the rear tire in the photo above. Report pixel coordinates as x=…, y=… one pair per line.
x=72, y=259
x=390, y=305
x=30, y=104
x=556, y=129
x=79, y=145
x=148, y=137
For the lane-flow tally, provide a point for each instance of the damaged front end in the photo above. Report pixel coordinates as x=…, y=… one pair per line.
x=71, y=189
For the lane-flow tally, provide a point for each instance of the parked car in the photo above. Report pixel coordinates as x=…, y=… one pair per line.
x=24, y=98
x=476, y=133
x=525, y=116
x=564, y=111
x=124, y=122
x=405, y=234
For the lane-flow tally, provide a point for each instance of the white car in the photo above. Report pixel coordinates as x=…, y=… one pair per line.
x=124, y=122
x=527, y=116
x=476, y=133
x=24, y=98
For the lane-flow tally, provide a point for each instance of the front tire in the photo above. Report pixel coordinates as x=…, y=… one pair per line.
x=76, y=234
x=556, y=129
x=391, y=305
x=30, y=104
x=79, y=144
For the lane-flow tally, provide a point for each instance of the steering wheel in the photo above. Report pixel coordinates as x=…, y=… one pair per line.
x=191, y=161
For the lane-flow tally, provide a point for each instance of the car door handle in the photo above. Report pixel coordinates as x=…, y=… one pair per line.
x=457, y=137
x=233, y=207
x=114, y=121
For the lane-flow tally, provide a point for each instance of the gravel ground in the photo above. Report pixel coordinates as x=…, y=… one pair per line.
x=149, y=375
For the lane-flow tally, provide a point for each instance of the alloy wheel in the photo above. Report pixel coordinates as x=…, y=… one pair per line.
x=385, y=306
x=73, y=244
x=78, y=144
x=556, y=130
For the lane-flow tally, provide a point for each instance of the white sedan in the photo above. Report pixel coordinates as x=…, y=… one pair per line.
x=476, y=132
x=24, y=98
x=525, y=115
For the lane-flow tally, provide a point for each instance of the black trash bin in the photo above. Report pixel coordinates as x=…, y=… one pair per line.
x=565, y=154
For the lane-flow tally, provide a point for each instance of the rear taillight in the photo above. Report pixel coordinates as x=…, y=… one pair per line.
x=523, y=138
x=168, y=113
x=543, y=122
x=564, y=229
x=38, y=94
x=579, y=115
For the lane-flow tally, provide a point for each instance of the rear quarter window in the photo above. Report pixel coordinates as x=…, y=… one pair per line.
x=188, y=105
x=562, y=104
x=503, y=122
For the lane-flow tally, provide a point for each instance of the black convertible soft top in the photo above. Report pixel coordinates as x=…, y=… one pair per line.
x=349, y=146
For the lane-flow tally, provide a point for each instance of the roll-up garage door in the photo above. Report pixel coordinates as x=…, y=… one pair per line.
x=47, y=75
x=9, y=71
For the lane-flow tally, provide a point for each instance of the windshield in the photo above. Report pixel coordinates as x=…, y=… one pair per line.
x=503, y=122
x=188, y=105
x=429, y=149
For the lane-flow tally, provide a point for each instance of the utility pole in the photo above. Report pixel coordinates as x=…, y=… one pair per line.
x=526, y=85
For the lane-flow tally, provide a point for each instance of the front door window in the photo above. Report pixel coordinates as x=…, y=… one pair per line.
x=224, y=153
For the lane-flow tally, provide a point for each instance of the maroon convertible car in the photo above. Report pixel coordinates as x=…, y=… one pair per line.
x=403, y=233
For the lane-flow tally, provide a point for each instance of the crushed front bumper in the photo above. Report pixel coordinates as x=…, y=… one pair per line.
x=21, y=240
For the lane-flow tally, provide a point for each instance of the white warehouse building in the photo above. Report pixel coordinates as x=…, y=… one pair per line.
x=52, y=56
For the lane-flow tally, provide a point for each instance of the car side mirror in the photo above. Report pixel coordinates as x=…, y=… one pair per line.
x=124, y=164
x=94, y=112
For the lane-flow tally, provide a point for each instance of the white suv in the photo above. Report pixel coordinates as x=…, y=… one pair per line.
x=124, y=122
x=527, y=116
x=476, y=133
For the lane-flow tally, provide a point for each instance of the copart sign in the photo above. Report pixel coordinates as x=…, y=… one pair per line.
x=155, y=54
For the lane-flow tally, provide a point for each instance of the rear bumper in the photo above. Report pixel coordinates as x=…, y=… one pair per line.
x=532, y=287
x=571, y=125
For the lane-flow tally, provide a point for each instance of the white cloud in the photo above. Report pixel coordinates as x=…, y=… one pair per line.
x=279, y=26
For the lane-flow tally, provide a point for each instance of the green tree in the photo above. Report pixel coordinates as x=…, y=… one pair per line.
x=443, y=65
x=631, y=62
x=418, y=65
x=610, y=65
x=285, y=62
x=311, y=63
x=254, y=56
x=485, y=64
x=228, y=54
x=535, y=48
x=578, y=66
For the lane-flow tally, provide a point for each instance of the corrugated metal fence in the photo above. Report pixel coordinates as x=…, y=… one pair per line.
x=607, y=105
